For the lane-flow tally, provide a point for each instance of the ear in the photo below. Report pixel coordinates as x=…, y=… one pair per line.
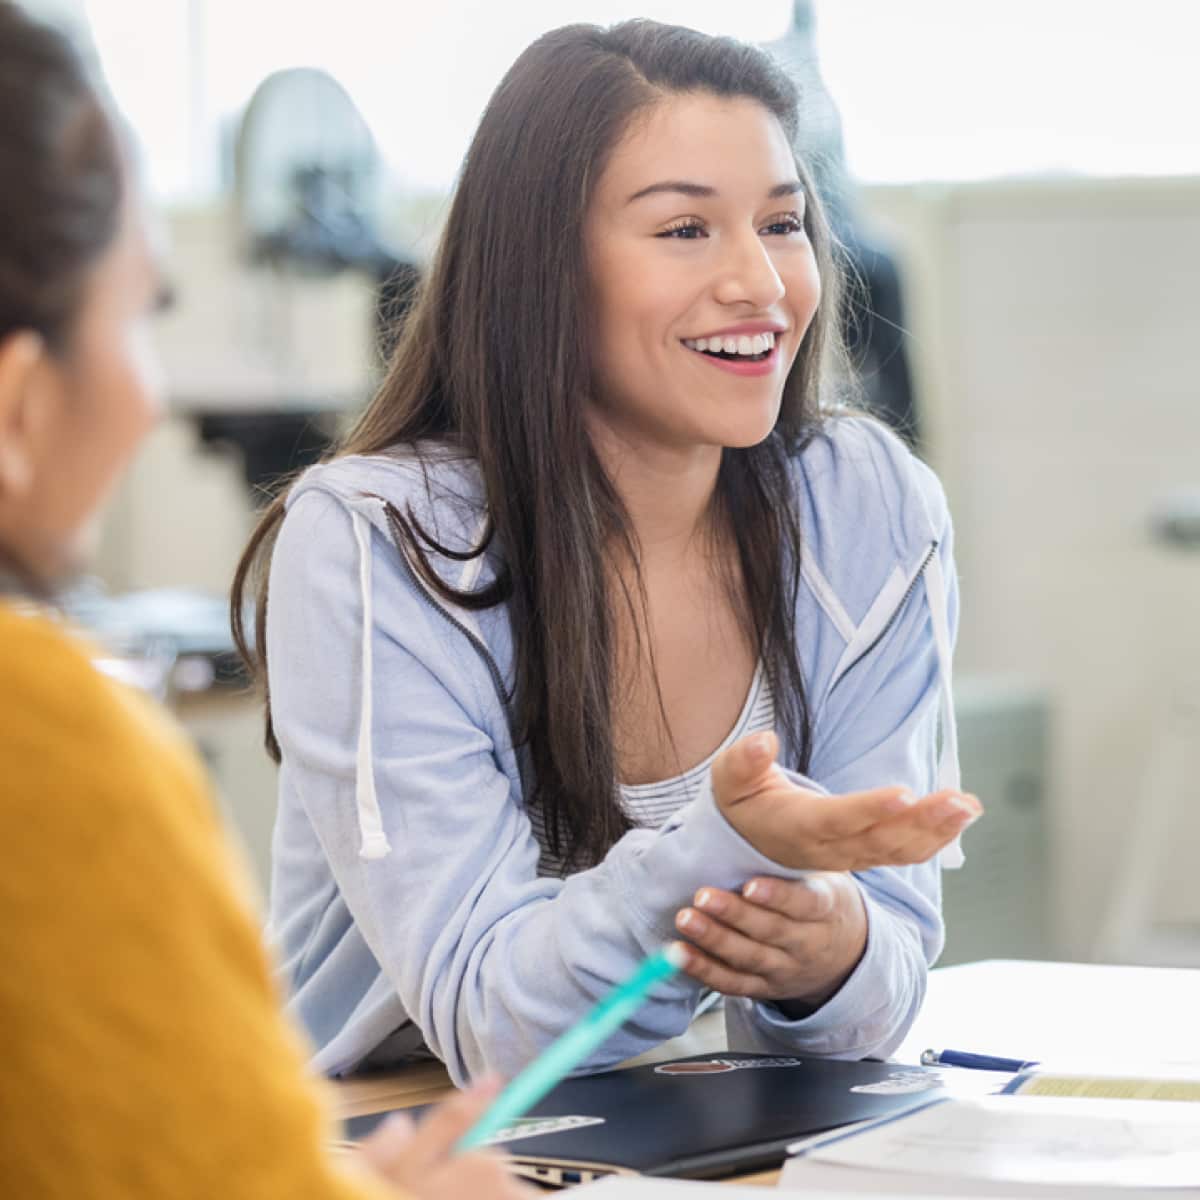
x=23, y=359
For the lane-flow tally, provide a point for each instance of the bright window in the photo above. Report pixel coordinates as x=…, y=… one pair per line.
x=967, y=89
x=420, y=72
x=929, y=89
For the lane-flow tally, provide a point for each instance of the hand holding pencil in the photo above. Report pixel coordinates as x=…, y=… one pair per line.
x=423, y=1163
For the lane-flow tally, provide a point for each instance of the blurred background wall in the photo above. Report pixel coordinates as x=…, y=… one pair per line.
x=1032, y=172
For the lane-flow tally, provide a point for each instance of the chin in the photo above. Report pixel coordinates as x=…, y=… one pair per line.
x=745, y=441
x=746, y=432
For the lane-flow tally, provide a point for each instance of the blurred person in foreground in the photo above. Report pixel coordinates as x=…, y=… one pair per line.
x=147, y=1052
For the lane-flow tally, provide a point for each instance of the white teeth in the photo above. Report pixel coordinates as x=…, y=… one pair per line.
x=747, y=344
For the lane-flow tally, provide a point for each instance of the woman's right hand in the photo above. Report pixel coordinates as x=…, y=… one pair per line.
x=802, y=829
x=421, y=1162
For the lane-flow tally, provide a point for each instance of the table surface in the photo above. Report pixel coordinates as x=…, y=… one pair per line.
x=1032, y=1010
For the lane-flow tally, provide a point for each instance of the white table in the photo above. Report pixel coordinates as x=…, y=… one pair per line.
x=1094, y=1017
x=1076, y=1013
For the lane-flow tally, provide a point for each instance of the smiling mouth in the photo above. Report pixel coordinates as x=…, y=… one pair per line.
x=747, y=348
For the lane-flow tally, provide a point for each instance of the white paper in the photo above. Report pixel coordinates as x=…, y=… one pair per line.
x=823, y=1179
x=1015, y=1139
x=641, y=1188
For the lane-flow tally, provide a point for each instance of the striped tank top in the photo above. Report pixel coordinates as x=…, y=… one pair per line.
x=648, y=805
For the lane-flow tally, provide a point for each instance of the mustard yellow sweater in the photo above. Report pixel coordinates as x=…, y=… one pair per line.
x=142, y=1050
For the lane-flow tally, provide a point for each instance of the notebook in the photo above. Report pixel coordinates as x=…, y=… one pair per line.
x=700, y=1118
x=1014, y=1142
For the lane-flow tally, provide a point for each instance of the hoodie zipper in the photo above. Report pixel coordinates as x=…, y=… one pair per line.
x=423, y=588
x=489, y=662
x=895, y=613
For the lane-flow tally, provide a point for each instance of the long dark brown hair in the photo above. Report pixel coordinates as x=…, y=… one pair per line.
x=495, y=359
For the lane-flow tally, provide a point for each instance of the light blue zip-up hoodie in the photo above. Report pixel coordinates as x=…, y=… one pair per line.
x=406, y=901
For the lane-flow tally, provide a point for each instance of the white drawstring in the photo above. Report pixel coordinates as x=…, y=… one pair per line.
x=949, y=774
x=370, y=821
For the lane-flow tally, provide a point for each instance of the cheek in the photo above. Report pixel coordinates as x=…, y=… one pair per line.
x=141, y=377
x=803, y=288
x=640, y=300
x=122, y=394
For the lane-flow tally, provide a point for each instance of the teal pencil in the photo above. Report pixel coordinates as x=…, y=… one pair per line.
x=559, y=1059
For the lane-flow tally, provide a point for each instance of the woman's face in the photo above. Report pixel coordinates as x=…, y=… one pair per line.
x=80, y=413
x=703, y=277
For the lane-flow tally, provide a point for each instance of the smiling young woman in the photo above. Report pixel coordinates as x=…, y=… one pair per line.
x=601, y=623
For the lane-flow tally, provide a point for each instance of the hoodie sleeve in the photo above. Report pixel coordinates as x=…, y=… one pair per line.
x=490, y=961
x=878, y=725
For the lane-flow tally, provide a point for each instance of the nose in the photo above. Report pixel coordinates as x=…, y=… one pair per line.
x=748, y=275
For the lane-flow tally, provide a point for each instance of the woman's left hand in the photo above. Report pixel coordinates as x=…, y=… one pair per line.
x=780, y=939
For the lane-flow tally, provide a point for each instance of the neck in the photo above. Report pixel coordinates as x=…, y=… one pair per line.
x=667, y=491
x=16, y=582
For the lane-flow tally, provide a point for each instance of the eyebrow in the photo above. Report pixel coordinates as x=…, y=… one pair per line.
x=703, y=191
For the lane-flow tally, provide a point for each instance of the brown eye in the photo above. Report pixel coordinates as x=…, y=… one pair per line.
x=688, y=232
x=782, y=226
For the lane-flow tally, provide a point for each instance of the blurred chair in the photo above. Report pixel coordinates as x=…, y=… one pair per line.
x=1130, y=931
x=997, y=906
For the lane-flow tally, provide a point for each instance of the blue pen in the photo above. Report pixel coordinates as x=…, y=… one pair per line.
x=564, y=1055
x=976, y=1062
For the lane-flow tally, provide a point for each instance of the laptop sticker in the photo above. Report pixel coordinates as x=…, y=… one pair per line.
x=527, y=1127
x=899, y=1083
x=719, y=1066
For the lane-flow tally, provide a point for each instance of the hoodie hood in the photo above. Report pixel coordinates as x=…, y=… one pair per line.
x=443, y=491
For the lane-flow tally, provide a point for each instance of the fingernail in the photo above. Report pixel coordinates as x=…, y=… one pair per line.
x=901, y=800
x=759, y=747
x=757, y=890
x=955, y=806
x=706, y=899
x=819, y=887
x=682, y=951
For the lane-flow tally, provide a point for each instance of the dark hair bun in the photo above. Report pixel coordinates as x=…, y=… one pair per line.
x=63, y=178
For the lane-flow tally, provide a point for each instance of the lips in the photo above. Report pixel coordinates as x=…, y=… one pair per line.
x=761, y=363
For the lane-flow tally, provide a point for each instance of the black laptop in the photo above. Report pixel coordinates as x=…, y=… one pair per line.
x=698, y=1118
